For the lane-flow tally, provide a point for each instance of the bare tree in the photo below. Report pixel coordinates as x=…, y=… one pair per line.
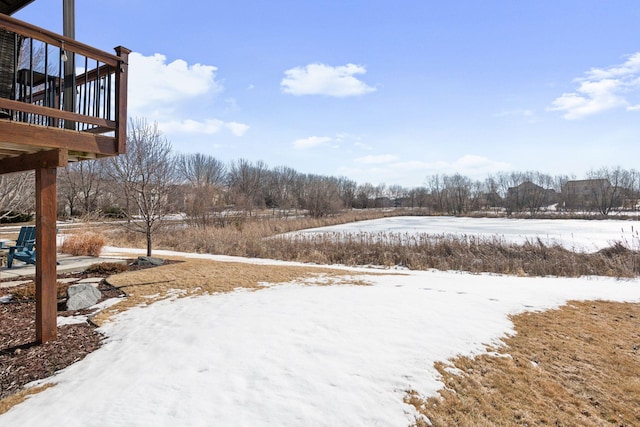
x=203, y=176
x=245, y=182
x=609, y=187
x=492, y=198
x=16, y=194
x=347, y=189
x=418, y=197
x=539, y=194
x=437, y=193
x=281, y=188
x=146, y=174
x=397, y=193
x=364, y=195
x=379, y=194
x=635, y=190
x=322, y=196
x=458, y=192
x=509, y=189
x=81, y=183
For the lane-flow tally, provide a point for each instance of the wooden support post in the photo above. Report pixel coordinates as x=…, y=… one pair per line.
x=46, y=275
x=121, y=99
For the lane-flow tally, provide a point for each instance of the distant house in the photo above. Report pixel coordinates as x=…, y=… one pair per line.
x=585, y=193
x=529, y=196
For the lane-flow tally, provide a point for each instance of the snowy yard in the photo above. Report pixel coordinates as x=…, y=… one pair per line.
x=294, y=354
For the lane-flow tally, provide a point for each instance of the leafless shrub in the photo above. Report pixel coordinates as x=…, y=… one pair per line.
x=106, y=268
x=87, y=244
x=27, y=292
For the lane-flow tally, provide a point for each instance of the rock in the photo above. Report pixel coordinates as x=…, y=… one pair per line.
x=82, y=295
x=148, y=260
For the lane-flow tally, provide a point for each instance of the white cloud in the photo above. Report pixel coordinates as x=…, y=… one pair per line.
x=310, y=142
x=630, y=67
x=238, y=129
x=206, y=127
x=154, y=83
x=321, y=79
x=164, y=92
x=601, y=90
x=363, y=146
x=379, y=159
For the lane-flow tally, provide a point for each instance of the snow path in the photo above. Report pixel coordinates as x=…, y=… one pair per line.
x=294, y=354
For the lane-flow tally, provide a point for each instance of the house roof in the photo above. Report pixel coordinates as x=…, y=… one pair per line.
x=9, y=7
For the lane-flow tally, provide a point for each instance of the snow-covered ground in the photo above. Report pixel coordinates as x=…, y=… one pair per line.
x=293, y=354
x=581, y=235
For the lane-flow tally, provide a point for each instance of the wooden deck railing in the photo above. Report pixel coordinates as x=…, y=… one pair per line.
x=50, y=80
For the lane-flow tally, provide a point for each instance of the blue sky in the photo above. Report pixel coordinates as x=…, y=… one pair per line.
x=381, y=91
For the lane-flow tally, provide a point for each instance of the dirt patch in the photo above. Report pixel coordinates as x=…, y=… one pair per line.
x=21, y=360
x=578, y=365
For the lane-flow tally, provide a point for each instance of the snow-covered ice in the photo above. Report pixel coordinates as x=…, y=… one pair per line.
x=582, y=235
x=294, y=354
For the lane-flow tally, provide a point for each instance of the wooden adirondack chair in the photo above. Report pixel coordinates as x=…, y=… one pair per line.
x=24, y=249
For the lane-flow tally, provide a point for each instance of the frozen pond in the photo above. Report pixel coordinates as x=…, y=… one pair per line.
x=579, y=235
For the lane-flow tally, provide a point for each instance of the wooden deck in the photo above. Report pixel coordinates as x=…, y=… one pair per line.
x=50, y=114
x=45, y=108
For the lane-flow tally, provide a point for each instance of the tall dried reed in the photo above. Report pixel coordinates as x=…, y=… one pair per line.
x=266, y=238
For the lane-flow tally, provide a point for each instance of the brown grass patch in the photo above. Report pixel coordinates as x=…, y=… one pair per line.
x=21, y=396
x=578, y=365
x=83, y=244
x=106, y=268
x=27, y=291
x=199, y=277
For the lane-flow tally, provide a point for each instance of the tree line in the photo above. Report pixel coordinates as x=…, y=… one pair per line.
x=151, y=181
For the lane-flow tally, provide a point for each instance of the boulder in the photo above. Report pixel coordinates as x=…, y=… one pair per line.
x=148, y=260
x=82, y=295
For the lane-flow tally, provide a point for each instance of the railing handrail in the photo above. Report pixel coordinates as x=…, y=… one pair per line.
x=23, y=28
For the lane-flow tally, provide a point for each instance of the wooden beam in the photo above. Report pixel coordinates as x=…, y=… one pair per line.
x=34, y=135
x=121, y=98
x=46, y=292
x=23, y=107
x=42, y=159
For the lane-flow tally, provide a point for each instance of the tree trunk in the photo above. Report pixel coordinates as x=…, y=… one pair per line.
x=148, y=241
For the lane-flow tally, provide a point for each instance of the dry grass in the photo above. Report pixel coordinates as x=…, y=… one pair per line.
x=197, y=277
x=261, y=238
x=448, y=252
x=106, y=268
x=244, y=236
x=27, y=291
x=83, y=243
x=9, y=402
x=578, y=365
